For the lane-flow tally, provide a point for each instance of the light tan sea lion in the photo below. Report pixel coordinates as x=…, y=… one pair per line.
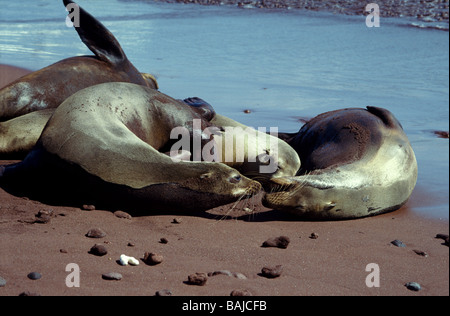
x=102, y=146
x=355, y=163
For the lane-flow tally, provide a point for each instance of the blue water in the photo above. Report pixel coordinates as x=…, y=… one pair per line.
x=281, y=65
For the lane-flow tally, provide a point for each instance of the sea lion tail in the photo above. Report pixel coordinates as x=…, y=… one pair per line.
x=386, y=116
x=97, y=37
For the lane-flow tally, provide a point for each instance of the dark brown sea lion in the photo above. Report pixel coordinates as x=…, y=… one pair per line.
x=102, y=146
x=355, y=163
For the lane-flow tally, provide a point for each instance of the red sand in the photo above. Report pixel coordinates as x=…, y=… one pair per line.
x=333, y=264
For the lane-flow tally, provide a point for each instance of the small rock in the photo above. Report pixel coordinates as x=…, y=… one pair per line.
x=98, y=250
x=177, y=220
x=241, y=293
x=62, y=250
x=88, y=207
x=421, y=253
x=121, y=214
x=34, y=275
x=43, y=216
x=398, y=243
x=163, y=240
x=28, y=293
x=314, y=236
x=95, y=233
x=220, y=272
x=2, y=282
x=444, y=237
x=272, y=272
x=239, y=276
x=441, y=134
x=124, y=260
x=247, y=111
x=279, y=242
x=112, y=276
x=413, y=286
x=130, y=244
x=164, y=293
x=198, y=278
x=153, y=258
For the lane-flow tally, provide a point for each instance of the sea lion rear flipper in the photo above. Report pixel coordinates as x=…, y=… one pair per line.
x=386, y=116
x=97, y=37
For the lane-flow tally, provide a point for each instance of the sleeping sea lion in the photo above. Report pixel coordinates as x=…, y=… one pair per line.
x=102, y=146
x=355, y=163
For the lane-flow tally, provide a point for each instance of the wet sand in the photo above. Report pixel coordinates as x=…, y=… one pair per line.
x=333, y=263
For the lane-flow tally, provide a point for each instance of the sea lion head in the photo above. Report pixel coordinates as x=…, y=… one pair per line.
x=222, y=181
x=290, y=195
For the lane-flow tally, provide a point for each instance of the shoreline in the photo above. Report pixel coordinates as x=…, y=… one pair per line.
x=424, y=11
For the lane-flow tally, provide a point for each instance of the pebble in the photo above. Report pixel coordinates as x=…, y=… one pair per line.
x=314, y=236
x=112, y=276
x=43, y=216
x=98, y=250
x=444, y=237
x=441, y=134
x=28, y=293
x=241, y=293
x=125, y=260
x=177, y=220
x=2, y=282
x=237, y=275
x=88, y=207
x=421, y=253
x=34, y=275
x=398, y=243
x=247, y=111
x=163, y=240
x=279, y=242
x=121, y=214
x=95, y=233
x=163, y=293
x=153, y=258
x=62, y=250
x=198, y=278
x=413, y=286
x=272, y=272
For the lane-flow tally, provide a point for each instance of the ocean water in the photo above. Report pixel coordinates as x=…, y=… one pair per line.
x=281, y=65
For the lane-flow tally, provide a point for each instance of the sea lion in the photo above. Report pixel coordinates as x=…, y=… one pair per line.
x=102, y=146
x=355, y=163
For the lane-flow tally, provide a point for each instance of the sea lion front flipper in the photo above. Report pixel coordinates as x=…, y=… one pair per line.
x=98, y=38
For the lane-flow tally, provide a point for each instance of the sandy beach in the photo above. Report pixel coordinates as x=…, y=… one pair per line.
x=331, y=258
x=322, y=258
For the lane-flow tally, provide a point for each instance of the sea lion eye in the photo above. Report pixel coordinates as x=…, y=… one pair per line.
x=236, y=179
